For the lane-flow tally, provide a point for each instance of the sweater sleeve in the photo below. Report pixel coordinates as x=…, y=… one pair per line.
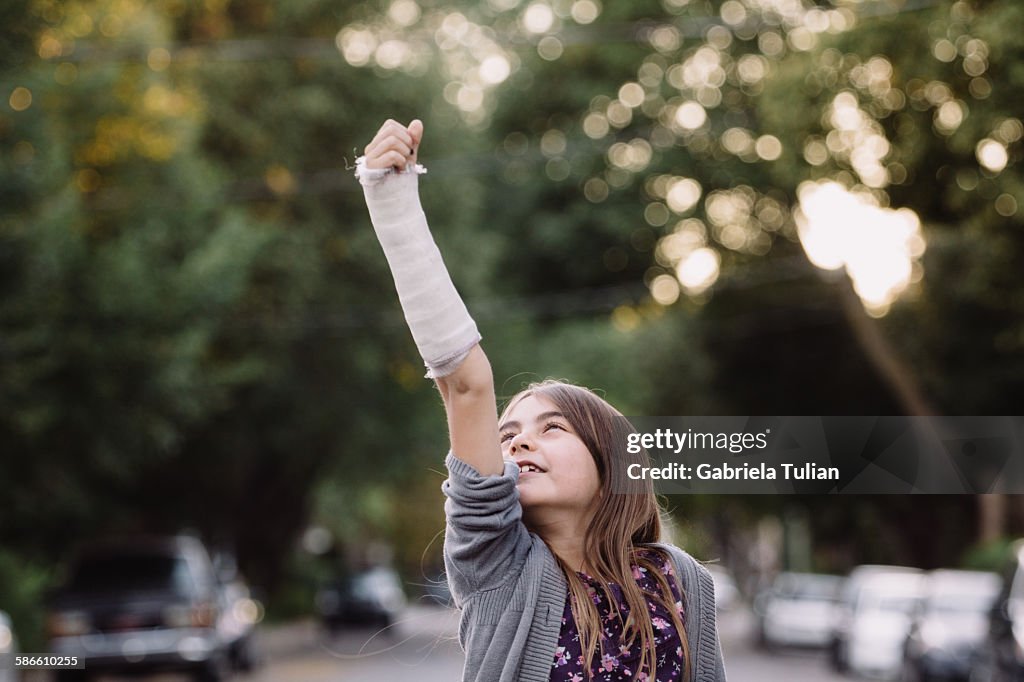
x=485, y=540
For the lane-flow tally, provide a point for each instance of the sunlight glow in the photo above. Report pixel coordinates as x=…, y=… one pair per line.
x=878, y=247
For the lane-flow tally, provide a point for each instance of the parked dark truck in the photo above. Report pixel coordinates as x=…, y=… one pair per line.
x=140, y=605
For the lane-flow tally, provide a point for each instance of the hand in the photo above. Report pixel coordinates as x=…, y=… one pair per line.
x=394, y=146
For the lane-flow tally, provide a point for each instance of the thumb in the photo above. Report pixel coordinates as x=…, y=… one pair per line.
x=416, y=131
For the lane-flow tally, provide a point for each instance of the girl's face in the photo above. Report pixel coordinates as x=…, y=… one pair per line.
x=556, y=470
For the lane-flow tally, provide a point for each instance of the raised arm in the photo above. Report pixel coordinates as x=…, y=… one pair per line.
x=442, y=328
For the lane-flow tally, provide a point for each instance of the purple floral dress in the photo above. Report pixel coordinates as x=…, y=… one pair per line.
x=619, y=661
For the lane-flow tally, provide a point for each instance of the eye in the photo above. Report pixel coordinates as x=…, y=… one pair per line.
x=507, y=436
x=553, y=425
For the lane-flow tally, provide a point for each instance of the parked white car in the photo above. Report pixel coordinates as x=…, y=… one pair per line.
x=875, y=616
x=950, y=626
x=799, y=609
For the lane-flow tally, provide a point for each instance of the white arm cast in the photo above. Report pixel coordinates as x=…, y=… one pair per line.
x=440, y=324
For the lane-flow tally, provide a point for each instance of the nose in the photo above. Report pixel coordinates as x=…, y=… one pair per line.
x=520, y=442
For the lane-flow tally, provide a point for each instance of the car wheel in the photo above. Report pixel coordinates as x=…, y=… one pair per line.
x=983, y=667
x=214, y=670
x=910, y=673
x=243, y=657
x=836, y=656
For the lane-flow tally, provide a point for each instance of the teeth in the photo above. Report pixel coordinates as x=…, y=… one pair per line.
x=527, y=468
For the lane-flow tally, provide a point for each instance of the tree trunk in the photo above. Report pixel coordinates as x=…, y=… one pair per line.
x=992, y=509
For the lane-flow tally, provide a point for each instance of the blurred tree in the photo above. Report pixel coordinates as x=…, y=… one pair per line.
x=193, y=302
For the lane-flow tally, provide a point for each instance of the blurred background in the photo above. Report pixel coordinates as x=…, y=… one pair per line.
x=696, y=207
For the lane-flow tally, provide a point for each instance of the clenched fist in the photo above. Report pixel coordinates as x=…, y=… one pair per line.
x=395, y=145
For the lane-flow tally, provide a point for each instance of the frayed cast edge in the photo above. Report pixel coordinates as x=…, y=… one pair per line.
x=371, y=176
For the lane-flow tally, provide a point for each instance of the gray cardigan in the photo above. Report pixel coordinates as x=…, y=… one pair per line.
x=512, y=592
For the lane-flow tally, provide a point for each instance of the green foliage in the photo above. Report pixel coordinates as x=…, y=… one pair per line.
x=990, y=556
x=23, y=585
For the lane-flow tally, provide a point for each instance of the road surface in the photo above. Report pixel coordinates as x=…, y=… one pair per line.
x=423, y=647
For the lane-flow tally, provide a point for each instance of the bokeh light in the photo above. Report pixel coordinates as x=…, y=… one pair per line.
x=858, y=139
x=495, y=69
x=538, y=18
x=550, y=48
x=950, y=116
x=632, y=95
x=20, y=99
x=691, y=115
x=768, y=147
x=595, y=125
x=665, y=289
x=1006, y=205
x=992, y=155
x=585, y=11
x=404, y=12
x=699, y=270
x=683, y=194
x=357, y=45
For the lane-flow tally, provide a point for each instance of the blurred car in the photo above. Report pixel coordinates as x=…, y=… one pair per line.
x=240, y=612
x=373, y=597
x=874, y=617
x=1000, y=658
x=726, y=592
x=799, y=609
x=140, y=605
x=950, y=625
x=8, y=646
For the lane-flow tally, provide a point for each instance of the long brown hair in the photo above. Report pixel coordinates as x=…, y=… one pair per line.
x=621, y=527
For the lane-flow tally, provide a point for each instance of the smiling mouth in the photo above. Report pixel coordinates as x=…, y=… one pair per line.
x=529, y=469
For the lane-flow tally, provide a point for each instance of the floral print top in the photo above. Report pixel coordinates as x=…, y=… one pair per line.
x=619, y=661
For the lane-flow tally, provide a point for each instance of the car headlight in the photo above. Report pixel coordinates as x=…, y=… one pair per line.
x=247, y=611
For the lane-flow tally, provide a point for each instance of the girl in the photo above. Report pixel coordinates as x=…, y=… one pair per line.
x=559, y=574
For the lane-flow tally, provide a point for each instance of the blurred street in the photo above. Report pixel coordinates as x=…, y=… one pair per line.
x=745, y=661
x=424, y=645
